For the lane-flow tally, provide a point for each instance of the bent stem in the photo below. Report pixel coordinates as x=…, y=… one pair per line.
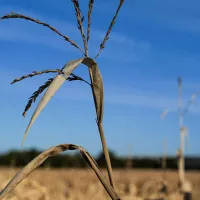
x=103, y=140
x=53, y=151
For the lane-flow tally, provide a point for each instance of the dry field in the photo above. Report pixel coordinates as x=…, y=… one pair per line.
x=75, y=184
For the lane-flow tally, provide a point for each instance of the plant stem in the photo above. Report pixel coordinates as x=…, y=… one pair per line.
x=106, y=153
x=100, y=128
x=182, y=133
x=103, y=140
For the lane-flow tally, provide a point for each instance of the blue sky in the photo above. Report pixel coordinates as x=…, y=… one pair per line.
x=152, y=43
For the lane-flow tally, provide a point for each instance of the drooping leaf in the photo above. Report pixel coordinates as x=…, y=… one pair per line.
x=54, y=86
x=97, y=87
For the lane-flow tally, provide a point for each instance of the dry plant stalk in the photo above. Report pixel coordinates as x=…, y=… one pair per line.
x=91, y=2
x=35, y=74
x=46, y=84
x=97, y=88
x=80, y=19
x=20, y=16
x=106, y=38
x=55, y=83
x=36, y=94
x=36, y=162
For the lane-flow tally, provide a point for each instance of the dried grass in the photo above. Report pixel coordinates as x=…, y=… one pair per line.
x=67, y=183
x=106, y=38
x=53, y=84
x=80, y=19
x=36, y=94
x=20, y=16
x=90, y=6
x=20, y=176
x=35, y=74
x=57, y=82
x=46, y=84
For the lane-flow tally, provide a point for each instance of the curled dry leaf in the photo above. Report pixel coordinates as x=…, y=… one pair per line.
x=31, y=166
x=97, y=88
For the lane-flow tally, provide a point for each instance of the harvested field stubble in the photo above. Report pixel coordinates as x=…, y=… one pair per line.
x=78, y=184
